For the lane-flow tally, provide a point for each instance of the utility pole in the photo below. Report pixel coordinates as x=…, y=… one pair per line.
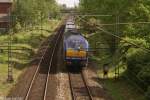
x=117, y=70
x=10, y=66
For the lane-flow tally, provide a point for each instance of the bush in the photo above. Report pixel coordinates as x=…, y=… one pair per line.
x=138, y=63
x=144, y=74
x=147, y=94
x=136, y=59
x=17, y=27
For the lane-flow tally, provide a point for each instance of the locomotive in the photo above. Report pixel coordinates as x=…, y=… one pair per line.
x=75, y=47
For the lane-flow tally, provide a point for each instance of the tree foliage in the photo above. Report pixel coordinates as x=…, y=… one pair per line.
x=130, y=12
x=33, y=11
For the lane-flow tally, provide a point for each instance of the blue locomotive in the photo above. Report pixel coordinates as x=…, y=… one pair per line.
x=75, y=47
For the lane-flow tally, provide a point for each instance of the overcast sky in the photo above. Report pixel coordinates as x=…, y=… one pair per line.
x=69, y=3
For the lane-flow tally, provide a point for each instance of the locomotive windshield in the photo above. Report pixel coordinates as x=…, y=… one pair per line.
x=77, y=42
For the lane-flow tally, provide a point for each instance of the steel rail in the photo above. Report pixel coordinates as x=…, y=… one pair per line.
x=57, y=30
x=36, y=73
x=60, y=32
x=71, y=87
x=87, y=87
x=85, y=84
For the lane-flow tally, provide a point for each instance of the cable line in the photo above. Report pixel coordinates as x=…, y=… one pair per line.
x=109, y=33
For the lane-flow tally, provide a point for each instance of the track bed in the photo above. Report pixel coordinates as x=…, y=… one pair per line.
x=79, y=88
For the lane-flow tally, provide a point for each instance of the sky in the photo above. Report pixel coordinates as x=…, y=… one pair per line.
x=69, y=3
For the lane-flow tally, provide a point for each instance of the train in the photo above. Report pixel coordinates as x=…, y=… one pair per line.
x=75, y=47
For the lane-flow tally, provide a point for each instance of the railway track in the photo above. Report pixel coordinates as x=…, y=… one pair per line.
x=79, y=87
x=38, y=87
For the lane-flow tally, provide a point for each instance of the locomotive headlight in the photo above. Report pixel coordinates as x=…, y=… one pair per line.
x=79, y=48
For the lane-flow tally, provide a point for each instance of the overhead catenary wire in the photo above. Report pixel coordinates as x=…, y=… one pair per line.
x=90, y=15
x=124, y=23
x=109, y=33
x=116, y=36
x=111, y=24
x=98, y=26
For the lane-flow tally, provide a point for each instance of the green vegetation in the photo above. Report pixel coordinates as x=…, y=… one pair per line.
x=4, y=86
x=31, y=13
x=122, y=90
x=28, y=42
x=132, y=50
x=31, y=22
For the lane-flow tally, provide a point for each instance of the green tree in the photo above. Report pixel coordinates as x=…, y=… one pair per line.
x=29, y=12
x=124, y=11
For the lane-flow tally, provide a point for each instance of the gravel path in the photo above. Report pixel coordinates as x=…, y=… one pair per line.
x=63, y=90
x=63, y=87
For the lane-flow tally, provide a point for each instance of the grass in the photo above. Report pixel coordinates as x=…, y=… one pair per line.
x=4, y=86
x=120, y=88
x=28, y=40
